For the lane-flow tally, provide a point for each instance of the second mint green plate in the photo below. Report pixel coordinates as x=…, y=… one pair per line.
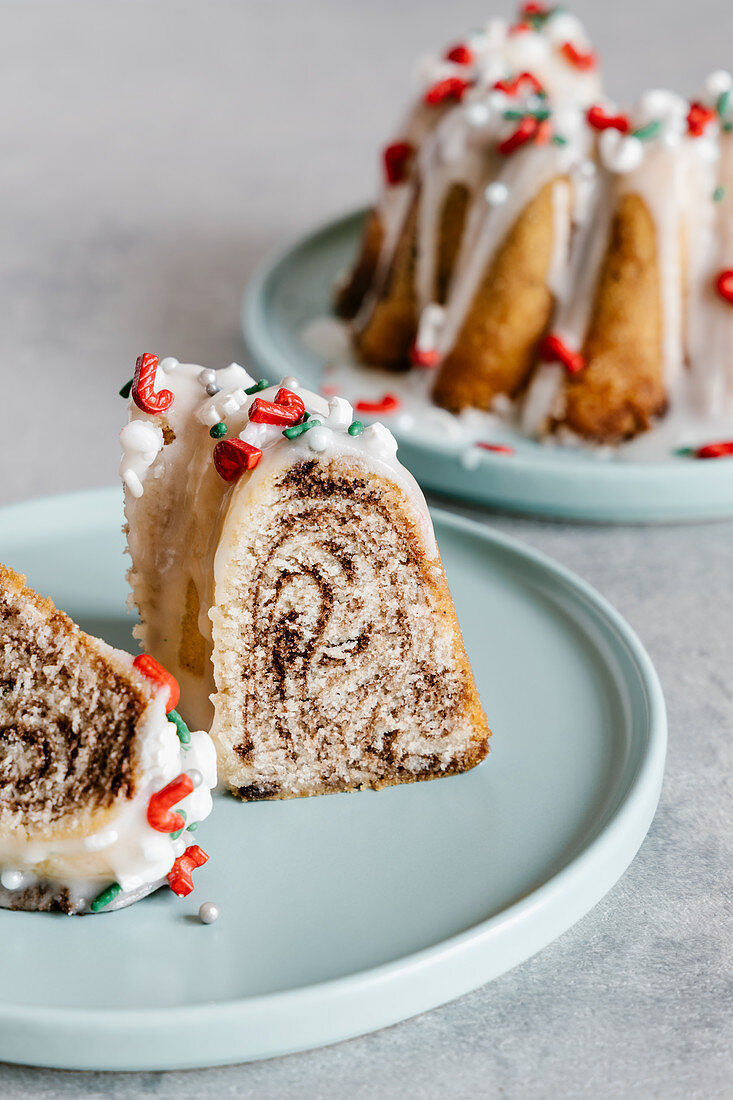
x=296, y=287
x=346, y=913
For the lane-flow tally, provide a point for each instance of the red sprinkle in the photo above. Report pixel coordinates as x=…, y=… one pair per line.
x=290, y=400
x=533, y=9
x=520, y=28
x=424, y=357
x=388, y=404
x=724, y=285
x=511, y=87
x=599, y=120
x=179, y=877
x=554, y=349
x=452, y=88
x=396, y=160
x=496, y=448
x=268, y=412
x=461, y=54
x=143, y=387
x=159, y=807
x=329, y=391
x=154, y=671
x=698, y=117
x=583, y=61
x=715, y=450
x=526, y=130
x=544, y=132
x=233, y=456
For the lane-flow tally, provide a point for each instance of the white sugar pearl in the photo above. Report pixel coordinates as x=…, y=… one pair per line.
x=196, y=777
x=11, y=880
x=208, y=912
x=168, y=365
x=318, y=439
x=496, y=193
x=290, y=383
x=207, y=377
x=619, y=153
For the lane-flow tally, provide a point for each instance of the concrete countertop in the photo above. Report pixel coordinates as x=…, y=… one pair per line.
x=154, y=151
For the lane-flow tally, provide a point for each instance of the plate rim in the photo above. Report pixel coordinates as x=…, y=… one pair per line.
x=24, y=1029
x=645, y=476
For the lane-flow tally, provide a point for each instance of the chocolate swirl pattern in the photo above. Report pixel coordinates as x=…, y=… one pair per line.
x=349, y=669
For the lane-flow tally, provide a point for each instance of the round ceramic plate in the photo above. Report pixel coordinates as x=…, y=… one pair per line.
x=296, y=288
x=347, y=913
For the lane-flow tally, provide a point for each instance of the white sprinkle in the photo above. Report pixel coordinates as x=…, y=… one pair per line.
x=207, y=377
x=318, y=438
x=133, y=483
x=208, y=912
x=618, y=153
x=496, y=193
x=168, y=365
x=477, y=114
x=11, y=880
x=195, y=776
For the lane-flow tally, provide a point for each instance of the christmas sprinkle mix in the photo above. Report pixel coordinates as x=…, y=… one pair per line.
x=159, y=813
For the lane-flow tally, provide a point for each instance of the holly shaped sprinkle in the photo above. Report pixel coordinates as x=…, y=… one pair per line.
x=424, y=357
x=159, y=813
x=698, y=118
x=555, y=350
x=106, y=897
x=579, y=59
x=143, y=387
x=451, y=89
x=387, y=404
x=396, y=158
x=154, y=671
x=724, y=285
x=519, y=83
x=233, y=456
x=179, y=877
x=600, y=120
x=460, y=54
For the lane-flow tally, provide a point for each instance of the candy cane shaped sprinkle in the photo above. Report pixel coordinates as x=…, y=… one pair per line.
x=268, y=412
x=387, y=404
x=599, y=120
x=585, y=61
x=106, y=897
x=143, y=387
x=159, y=813
x=555, y=350
x=179, y=877
x=524, y=80
x=496, y=448
x=396, y=159
x=723, y=449
x=724, y=285
x=290, y=400
x=154, y=671
x=452, y=88
x=233, y=456
x=526, y=130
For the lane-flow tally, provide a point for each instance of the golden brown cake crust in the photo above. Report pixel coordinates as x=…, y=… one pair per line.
x=350, y=295
x=621, y=389
x=496, y=347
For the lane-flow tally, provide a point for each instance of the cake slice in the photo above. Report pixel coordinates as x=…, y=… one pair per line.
x=284, y=564
x=101, y=782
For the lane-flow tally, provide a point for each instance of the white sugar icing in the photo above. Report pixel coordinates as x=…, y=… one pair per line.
x=128, y=850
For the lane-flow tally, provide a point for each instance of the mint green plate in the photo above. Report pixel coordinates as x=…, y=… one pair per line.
x=344, y=914
x=296, y=286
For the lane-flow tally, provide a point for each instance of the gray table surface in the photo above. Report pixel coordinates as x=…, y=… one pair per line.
x=153, y=152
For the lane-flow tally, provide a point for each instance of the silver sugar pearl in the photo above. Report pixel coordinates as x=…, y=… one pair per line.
x=212, y=389
x=208, y=912
x=207, y=376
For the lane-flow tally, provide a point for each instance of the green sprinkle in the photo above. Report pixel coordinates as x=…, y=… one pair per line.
x=106, y=897
x=728, y=127
x=218, y=431
x=182, y=730
x=723, y=102
x=648, y=132
x=718, y=194
x=263, y=384
x=192, y=827
x=558, y=139
x=175, y=836
x=299, y=429
x=356, y=428
x=306, y=416
x=126, y=389
x=683, y=452
x=513, y=116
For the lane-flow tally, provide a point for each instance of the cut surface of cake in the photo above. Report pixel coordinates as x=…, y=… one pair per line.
x=534, y=242
x=100, y=779
x=284, y=564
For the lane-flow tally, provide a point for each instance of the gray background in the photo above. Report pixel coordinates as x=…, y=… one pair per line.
x=152, y=153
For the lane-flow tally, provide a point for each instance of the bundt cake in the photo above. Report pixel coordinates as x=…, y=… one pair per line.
x=284, y=566
x=102, y=785
x=534, y=242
